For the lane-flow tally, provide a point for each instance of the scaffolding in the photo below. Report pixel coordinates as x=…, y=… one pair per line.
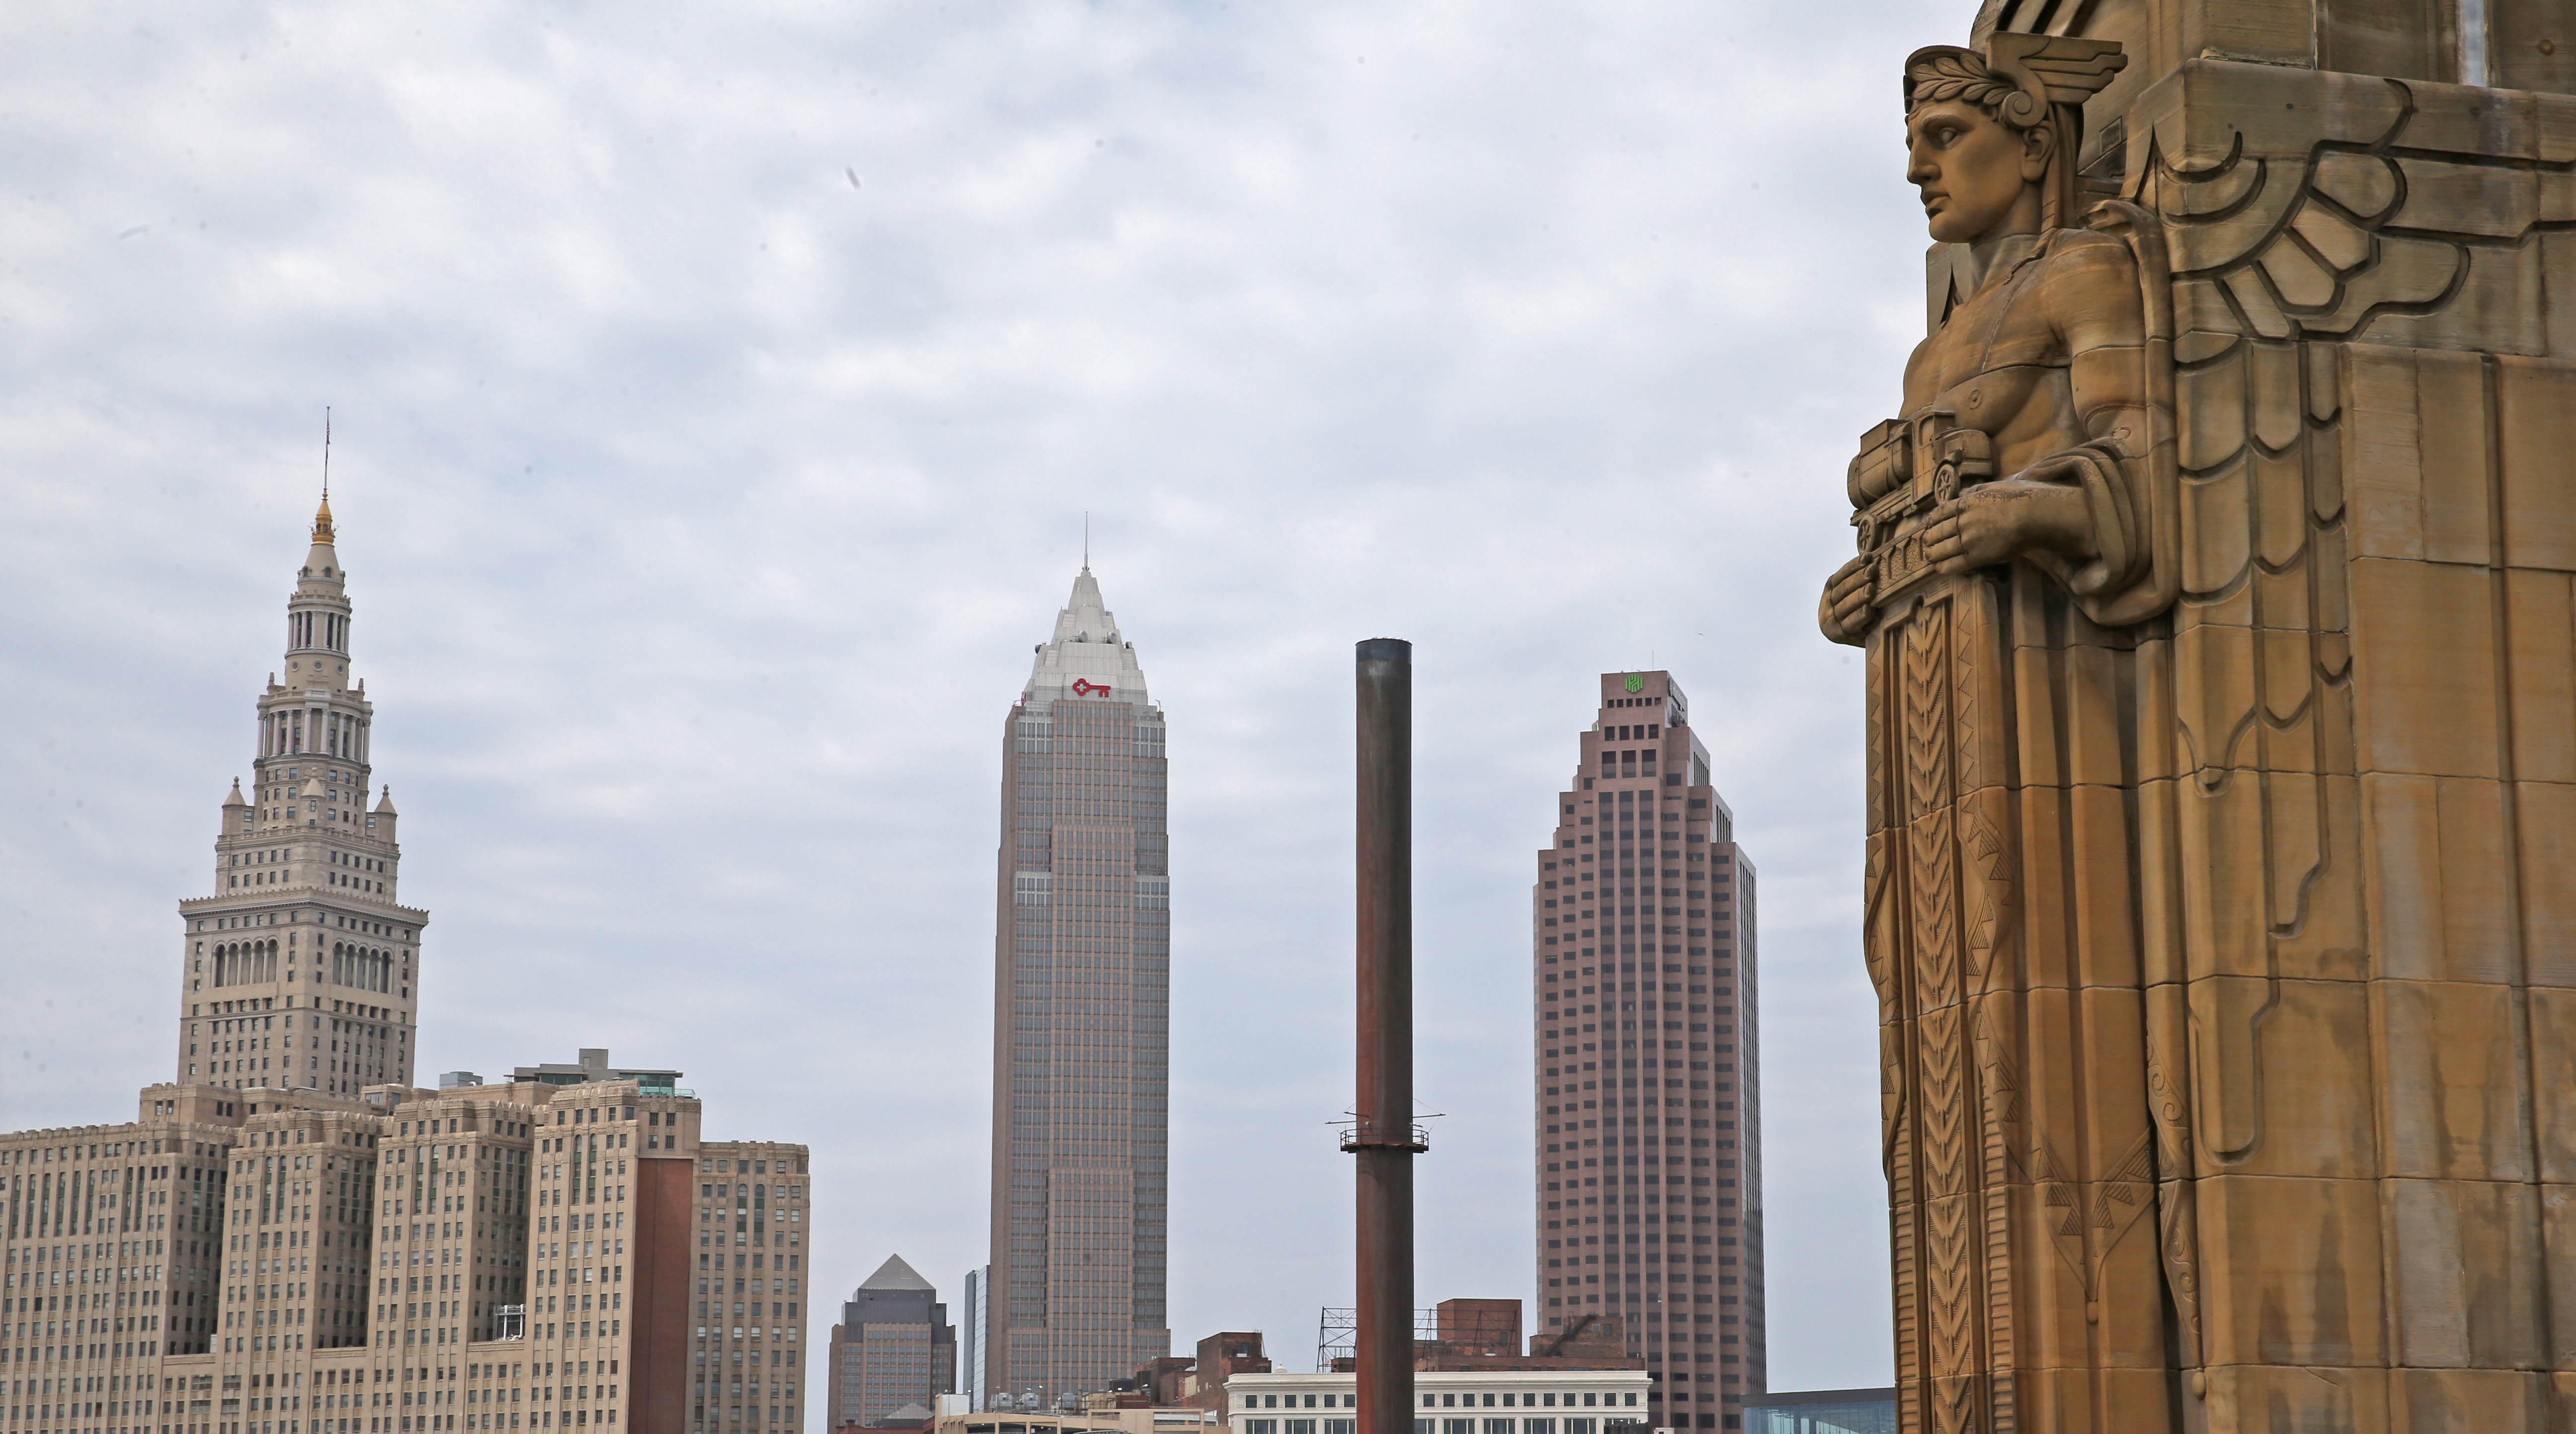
x=1337, y=1334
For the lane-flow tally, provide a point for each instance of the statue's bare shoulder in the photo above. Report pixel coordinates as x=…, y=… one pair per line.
x=2088, y=286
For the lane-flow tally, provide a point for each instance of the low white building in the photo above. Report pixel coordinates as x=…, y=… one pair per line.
x=1542, y=1401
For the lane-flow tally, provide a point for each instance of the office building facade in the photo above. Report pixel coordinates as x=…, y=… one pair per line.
x=1649, y=1179
x=893, y=1353
x=290, y=1238
x=749, y=1356
x=1081, y=1023
x=1822, y=1411
x=1448, y=1401
x=971, y=1380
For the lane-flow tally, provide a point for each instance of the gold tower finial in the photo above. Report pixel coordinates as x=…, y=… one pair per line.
x=322, y=515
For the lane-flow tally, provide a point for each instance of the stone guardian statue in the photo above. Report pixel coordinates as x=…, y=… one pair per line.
x=2015, y=529
x=2218, y=584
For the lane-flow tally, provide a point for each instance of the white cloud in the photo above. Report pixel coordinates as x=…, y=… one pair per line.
x=701, y=507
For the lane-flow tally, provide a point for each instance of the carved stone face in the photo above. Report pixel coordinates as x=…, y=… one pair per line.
x=1979, y=176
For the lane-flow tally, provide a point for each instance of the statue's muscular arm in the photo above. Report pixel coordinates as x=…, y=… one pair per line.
x=2076, y=494
x=2089, y=295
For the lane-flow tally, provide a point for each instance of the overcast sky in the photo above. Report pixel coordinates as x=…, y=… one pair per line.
x=719, y=391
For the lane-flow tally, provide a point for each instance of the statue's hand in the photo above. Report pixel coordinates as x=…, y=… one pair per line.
x=1845, y=612
x=1999, y=521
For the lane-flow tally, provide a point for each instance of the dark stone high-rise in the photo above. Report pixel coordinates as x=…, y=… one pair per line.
x=893, y=1353
x=1649, y=1063
x=1081, y=1020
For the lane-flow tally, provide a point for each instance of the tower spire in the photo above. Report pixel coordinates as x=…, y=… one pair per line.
x=322, y=535
x=1086, y=540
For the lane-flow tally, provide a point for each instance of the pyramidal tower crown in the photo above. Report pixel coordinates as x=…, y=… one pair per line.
x=1087, y=657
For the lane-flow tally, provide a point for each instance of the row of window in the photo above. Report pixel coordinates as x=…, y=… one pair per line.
x=1589, y=1398
x=1433, y=1425
x=749, y=1167
x=269, y=918
x=337, y=734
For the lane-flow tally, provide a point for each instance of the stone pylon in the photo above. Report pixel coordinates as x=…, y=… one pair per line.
x=2219, y=587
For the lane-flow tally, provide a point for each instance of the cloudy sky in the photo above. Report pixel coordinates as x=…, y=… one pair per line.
x=719, y=392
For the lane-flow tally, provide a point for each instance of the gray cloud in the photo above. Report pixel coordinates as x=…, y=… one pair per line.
x=702, y=503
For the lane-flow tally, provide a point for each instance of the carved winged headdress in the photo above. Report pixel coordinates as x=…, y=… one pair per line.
x=2027, y=82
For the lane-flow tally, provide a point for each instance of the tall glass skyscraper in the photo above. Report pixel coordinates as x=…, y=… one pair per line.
x=970, y=1335
x=1649, y=1062
x=1081, y=1020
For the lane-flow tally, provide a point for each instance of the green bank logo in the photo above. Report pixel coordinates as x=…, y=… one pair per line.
x=1636, y=683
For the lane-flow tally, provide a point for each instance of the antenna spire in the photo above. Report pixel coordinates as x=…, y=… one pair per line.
x=1086, y=540
x=322, y=530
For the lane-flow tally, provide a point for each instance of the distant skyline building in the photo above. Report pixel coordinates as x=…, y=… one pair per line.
x=977, y=1301
x=893, y=1353
x=1649, y=1180
x=1822, y=1411
x=305, y=877
x=1081, y=1020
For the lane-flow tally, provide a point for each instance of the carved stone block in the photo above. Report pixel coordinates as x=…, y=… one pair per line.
x=2274, y=1399
x=2457, y=1082
x=2424, y=668
x=2467, y=1284
x=2536, y=430
x=2295, y=1268
x=2275, y=1073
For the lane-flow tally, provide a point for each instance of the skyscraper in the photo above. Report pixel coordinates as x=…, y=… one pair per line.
x=305, y=876
x=971, y=1333
x=1649, y=1184
x=893, y=1353
x=1081, y=1019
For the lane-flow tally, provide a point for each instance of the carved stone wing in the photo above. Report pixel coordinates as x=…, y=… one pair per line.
x=2346, y=207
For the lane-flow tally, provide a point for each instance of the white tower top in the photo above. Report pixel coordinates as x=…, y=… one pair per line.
x=1088, y=657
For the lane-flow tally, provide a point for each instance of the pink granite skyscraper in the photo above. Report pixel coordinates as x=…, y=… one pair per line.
x=1649, y=1181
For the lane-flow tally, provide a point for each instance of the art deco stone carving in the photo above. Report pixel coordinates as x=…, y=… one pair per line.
x=2219, y=590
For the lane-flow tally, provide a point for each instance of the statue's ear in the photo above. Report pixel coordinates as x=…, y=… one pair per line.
x=2037, y=144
